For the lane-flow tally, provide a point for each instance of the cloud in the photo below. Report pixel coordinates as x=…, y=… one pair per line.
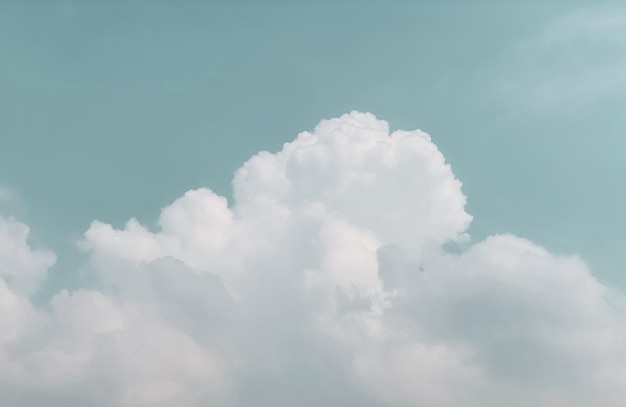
x=21, y=268
x=324, y=282
x=5, y=194
x=575, y=58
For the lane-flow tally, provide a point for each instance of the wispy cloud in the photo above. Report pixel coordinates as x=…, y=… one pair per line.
x=6, y=194
x=573, y=60
x=590, y=23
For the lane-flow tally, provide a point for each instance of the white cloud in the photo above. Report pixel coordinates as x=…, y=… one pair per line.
x=21, y=267
x=324, y=283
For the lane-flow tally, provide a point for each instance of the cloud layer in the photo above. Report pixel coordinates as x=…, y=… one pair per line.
x=325, y=282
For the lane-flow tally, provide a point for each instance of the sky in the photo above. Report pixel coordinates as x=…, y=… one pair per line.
x=286, y=168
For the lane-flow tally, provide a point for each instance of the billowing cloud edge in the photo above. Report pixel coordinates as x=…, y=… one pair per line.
x=325, y=282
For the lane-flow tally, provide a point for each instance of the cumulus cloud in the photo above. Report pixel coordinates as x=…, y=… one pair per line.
x=21, y=268
x=324, y=282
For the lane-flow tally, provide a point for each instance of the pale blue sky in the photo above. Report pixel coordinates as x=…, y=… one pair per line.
x=113, y=109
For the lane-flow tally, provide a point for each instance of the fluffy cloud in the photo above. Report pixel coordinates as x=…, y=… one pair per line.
x=325, y=282
x=21, y=268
